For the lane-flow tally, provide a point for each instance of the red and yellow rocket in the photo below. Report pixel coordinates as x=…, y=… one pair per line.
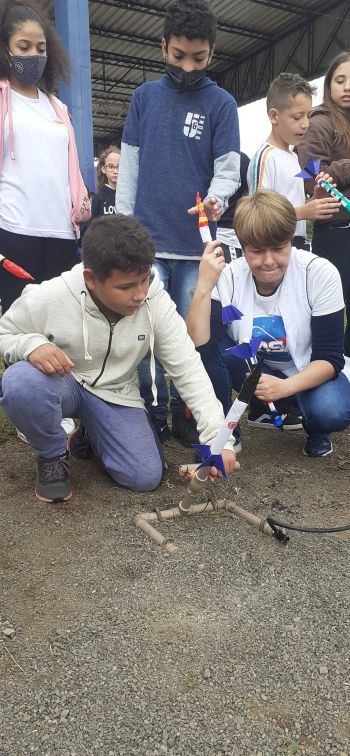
x=229, y=312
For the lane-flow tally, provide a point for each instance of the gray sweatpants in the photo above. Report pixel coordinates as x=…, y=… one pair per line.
x=122, y=437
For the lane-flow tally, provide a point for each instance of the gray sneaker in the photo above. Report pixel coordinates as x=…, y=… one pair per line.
x=52, y=479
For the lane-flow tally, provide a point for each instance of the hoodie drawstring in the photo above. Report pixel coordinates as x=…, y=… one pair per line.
x=87, y=356
x=152, y=361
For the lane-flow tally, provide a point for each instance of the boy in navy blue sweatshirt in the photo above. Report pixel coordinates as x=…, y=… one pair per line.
x=181, y=136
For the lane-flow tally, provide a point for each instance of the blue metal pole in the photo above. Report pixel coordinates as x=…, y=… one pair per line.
x=72, y=25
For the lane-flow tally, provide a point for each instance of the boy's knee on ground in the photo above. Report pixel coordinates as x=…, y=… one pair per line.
x=138, y=479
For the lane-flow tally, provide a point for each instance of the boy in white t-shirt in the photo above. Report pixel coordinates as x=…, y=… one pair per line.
x=275, y=165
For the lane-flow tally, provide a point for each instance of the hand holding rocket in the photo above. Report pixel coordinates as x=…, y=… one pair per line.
x=229, y=312
x=312, y=170
x=212, y=455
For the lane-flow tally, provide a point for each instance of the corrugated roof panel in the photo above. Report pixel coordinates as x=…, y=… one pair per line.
x=244, y=28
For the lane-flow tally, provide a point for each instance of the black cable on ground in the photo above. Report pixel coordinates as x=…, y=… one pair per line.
x=301, y=529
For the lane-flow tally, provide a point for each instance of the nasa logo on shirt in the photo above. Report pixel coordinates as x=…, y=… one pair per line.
x=194, y=125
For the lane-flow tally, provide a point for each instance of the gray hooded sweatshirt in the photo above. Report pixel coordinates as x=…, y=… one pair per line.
x=106, y=357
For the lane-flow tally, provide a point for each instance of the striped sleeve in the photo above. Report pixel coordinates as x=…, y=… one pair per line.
x=261, y=172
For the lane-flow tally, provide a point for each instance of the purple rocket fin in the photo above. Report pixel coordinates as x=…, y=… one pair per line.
x=230, y=313
x=242, y=350
x=255, y=344
x=202, y=449
x=209, y=459
x=311, y=169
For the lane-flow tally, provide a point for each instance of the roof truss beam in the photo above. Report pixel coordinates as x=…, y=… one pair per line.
x=151, y=41
x=285, y=6
x=109, y=58
x=153, y=10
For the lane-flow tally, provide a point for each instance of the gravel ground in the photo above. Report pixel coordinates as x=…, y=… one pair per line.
x=236, y=645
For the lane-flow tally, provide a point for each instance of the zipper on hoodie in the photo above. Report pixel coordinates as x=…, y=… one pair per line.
x=111, y=329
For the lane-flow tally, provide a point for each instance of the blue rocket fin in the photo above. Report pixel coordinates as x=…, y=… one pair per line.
x=203, y=450
x=230, y=313
x=255, y=344
x=209, y=459
x=243, y=350
x=311, y=169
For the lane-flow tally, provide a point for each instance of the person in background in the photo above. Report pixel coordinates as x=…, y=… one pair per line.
x=292, y=300
x=181, y=137
x=225, y=233
x=328, y=138
x=275, y=164
x=42, y=194
x=103, y=202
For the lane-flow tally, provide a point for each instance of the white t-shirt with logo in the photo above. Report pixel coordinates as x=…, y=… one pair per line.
x=324, y=295
x=273, y=168
x=35, y=198
x=269, y=326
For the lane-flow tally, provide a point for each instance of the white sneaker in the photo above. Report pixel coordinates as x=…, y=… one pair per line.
x=67, y=424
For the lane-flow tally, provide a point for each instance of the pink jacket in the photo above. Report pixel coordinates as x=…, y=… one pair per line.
x=81, y=206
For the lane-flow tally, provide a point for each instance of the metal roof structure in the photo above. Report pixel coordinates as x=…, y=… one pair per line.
x=256, y=40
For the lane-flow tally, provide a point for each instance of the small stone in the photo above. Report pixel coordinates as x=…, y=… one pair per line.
x=64, y=715
x=45, y=738
x=163, y=748
x=9, y=632
x=206, y=673
x=243, y=556
x=263, y=697
x=323, y=670
x=201, y=566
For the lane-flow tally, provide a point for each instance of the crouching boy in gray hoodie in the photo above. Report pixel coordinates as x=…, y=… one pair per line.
x=74, y=344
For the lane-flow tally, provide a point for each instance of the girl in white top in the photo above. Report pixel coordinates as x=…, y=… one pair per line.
x=39, y=172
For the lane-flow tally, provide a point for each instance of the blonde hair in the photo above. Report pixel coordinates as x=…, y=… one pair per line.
x=264, y=219
x=101, y=177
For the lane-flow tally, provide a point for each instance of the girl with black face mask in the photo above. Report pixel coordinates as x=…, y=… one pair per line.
x=42, y=195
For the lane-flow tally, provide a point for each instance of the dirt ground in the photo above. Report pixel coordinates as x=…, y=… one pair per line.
x=236, y=645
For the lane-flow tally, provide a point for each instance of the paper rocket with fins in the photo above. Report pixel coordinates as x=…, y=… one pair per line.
x=312, y=170
x=212, y=455
x=15, y=269
x=247, y=350
x=229, y=312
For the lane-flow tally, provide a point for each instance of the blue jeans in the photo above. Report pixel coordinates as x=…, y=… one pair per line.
x=325, y=409
x=179, y=278
x=122, y=437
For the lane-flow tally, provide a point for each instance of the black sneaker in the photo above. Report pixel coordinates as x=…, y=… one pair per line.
x=320, y=446
x=52, y=479
x=266, y=420
x=78, y=444
x=162, y=430
x=185, y=430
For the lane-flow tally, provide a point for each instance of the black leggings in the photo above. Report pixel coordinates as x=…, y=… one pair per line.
x=332, y=241
x=41, y=257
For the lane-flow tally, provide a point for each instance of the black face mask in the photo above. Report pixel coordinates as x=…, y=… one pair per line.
x=28, y=69
x=184, y=80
